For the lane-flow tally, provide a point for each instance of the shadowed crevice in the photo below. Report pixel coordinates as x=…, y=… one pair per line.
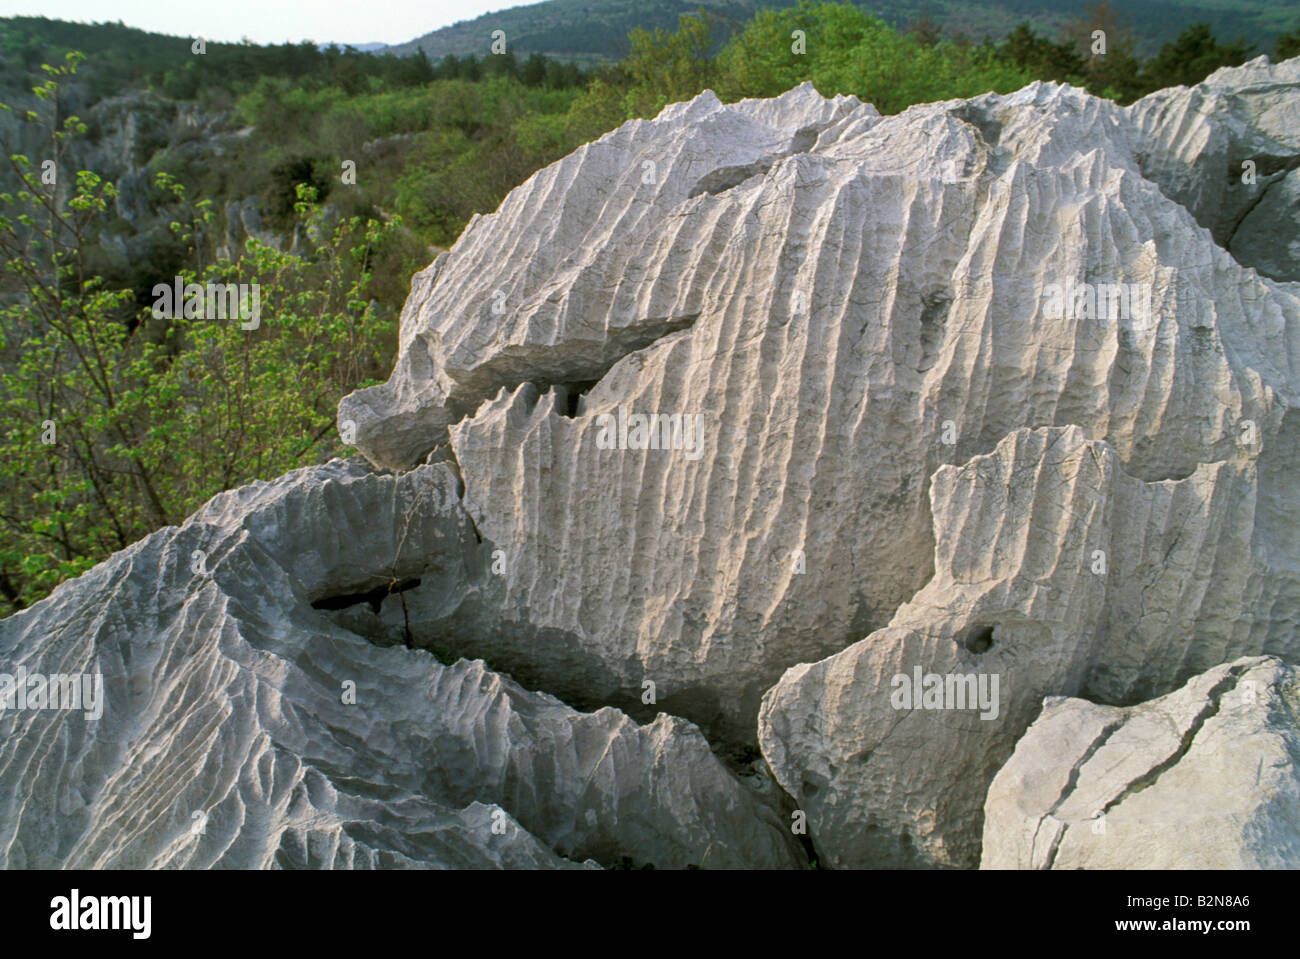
x=374, y=596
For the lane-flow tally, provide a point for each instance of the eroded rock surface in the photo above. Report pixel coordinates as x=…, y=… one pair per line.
x=848, y=302
x=242, y=727
x=1055, y=571
x=1228, y=149
x=1002, y=387
x=1206, y=777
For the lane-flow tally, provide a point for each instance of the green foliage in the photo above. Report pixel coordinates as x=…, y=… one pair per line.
x=895, y=71
x=286, y=180
x=762, y=60
x=478, y=141
x=111, y=429
x=456, y=146
x=841, y=49
x=1192, y=57
x=1041, y=57
x=1288, y=46
x=665, y=67
x=837, y=47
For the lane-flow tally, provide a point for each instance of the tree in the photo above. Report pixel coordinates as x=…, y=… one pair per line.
x=534, y=70
x=926, y=29
x=1288, y=46
x=1192, y=57
x=449, y=67
x=1103, y=37
x=668, y=66
x=419, y=70
x=502, y=64
x=1040, y=56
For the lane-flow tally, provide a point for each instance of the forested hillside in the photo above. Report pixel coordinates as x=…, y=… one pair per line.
x=596, y=30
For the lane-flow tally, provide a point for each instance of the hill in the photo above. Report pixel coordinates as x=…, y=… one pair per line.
x=592, y=30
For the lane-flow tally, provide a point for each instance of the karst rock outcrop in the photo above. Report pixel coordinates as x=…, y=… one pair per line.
x=736, y=427
x=241, y=727
x=1206, y=777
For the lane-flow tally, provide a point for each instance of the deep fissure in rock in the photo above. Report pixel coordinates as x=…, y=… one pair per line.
x=374, y=596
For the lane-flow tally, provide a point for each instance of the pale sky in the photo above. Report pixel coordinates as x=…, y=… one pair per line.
x=269, y=21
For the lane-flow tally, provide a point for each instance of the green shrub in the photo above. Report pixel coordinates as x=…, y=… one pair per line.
x=112, y=429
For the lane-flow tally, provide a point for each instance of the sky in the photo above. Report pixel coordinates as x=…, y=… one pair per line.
x=269, y=21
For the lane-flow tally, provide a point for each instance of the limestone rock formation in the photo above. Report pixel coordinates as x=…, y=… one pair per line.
x=739, y=415
x=1228, y=149
x=846, y=302
x=1206, y=777
x=1055, y=570
x=241, y=727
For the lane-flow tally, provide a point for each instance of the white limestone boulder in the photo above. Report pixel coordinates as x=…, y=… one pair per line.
x=1227, y=149
x=241, y=726
x=1056, y=573
x=1206, y=777
x=844, y=303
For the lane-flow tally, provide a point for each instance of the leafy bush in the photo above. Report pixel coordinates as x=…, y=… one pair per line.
x=111, y=429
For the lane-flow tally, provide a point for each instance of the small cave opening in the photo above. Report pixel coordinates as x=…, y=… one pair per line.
x=977, y=638
x=572, y=395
